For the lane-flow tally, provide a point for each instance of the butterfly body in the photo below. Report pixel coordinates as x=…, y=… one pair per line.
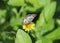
x=28, y=19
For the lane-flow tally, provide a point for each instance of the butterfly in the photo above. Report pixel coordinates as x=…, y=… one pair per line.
x=28, y=19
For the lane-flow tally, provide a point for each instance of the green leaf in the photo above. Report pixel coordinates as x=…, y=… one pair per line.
x=15, y=21
x=2, y=20
x=44, y=40
x=46, y=14
x=39, y=3
x=14, y=10
x=2, y=16
x=22, y=37
x=44, y=2
x=2, y=13
x=33, y=2
x=47, y=26
x=44, y=28
x=4, y=35
x=35, y=5
x=45, y=22
x=54, y=35
x=16, y=2
x=33, y=9
x=49, y=11
x=58, y=21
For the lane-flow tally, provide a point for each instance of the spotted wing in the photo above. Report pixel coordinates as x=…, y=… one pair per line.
x=30, y=17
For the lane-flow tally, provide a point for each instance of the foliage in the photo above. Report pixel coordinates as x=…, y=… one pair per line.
x=47, y=21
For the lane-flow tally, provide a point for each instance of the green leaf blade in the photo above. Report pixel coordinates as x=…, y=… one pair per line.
x=49, y=11
x=16, y=2
x=22, y=37
x=54, y=35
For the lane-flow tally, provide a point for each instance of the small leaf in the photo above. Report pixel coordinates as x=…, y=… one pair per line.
x=2, y=20
x=22, y=37
x=14, y=21
x=16, y=2
x=2, y=16
x=4, y=35
x=58, y=21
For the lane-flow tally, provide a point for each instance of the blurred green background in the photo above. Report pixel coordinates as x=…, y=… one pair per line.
x=11, y=14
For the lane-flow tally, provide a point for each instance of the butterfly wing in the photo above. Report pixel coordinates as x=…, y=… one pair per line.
x=29, y=18
x=29, y=15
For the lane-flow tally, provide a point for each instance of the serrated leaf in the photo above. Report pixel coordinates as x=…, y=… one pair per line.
x=22, y=37
x=16, y=2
